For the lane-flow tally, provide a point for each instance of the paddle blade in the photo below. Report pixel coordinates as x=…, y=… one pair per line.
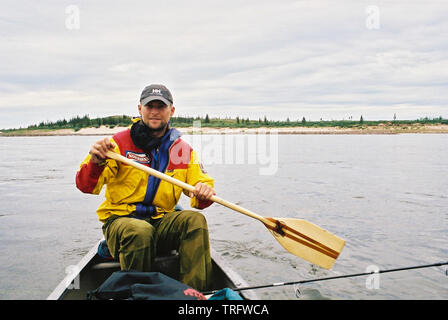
x=307, y=241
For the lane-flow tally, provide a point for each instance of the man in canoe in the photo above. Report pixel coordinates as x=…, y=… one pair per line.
x=139, y=210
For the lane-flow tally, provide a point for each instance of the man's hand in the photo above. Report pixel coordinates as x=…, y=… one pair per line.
x=99, y=150
x=202, y=192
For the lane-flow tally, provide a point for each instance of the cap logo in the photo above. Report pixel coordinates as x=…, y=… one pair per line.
x=156, y=91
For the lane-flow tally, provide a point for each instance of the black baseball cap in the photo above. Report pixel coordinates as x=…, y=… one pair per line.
x=156, y=92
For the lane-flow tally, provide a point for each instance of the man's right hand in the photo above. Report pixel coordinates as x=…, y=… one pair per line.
x=99, y=150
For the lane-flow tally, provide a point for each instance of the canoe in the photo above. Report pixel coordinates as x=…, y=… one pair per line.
x=93, y=270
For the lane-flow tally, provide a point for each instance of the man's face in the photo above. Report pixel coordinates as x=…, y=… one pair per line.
x=156, y=114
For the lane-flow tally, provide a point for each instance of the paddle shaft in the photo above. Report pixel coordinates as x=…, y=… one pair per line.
x=186, y=186
x=278, y=227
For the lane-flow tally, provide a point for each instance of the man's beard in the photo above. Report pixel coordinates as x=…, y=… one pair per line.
x=160, y=128
x=144, y=137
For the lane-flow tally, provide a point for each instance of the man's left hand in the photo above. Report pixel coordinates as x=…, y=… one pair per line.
x=202, y=192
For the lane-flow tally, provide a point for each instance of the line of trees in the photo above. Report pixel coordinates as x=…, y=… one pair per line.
x=85, y=121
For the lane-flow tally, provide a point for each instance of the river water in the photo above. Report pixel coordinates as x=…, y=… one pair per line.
x=386, y=195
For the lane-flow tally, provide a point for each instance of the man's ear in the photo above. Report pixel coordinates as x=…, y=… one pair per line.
x=173, y=108
x=140, y=109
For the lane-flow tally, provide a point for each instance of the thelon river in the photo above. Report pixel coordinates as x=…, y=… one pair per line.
x=386, y=195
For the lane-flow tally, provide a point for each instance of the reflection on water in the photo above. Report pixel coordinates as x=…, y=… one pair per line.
x=385, y=195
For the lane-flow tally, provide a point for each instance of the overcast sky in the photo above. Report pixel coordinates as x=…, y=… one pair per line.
x=318, y=59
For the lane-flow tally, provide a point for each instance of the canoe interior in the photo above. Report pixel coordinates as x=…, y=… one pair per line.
x=93, y=271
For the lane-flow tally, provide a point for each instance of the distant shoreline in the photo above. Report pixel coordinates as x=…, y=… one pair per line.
x=378, y=129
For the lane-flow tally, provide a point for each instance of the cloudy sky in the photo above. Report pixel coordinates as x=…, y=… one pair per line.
x=318, y=59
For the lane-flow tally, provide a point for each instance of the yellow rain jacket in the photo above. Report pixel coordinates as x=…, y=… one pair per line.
x=129, y=190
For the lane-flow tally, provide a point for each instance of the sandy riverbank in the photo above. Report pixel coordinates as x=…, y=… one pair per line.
x=380, y=129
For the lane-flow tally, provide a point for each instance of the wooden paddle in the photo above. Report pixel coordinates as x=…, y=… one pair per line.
x=299, y=237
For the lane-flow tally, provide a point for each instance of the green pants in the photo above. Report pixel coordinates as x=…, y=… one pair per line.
x=136, y=242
